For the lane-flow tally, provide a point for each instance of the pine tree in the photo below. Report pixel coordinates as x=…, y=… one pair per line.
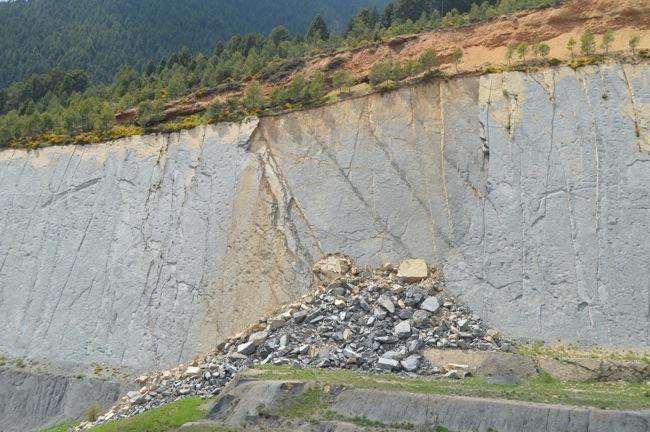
x=608, y=40
x=254, y=96
x=510, y=52
x=150, y=68
x=543, y=50
x=522, y=50
x=571, y=44
x=149, y=111
x=428, y=59
x=278, y=35
x=379, y=73
x=587, y=42
x=634, y=43
x=342, y=79
x=177, y=86
x=102, y=118
x=456, y=56
x=316, y=87
x=318, y=29
x=296, y=89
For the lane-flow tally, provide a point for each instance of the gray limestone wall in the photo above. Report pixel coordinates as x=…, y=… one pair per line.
x=530, y=189
x=31, y=401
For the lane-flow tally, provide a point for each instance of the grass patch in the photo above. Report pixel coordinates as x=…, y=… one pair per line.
x=560, y=352
x=59, y=427
x=544, y=390
x=163, y=419
x=311, y=405
x=217, y=429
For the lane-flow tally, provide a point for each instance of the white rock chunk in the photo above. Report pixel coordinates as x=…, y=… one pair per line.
x=192, y=371
x=246, y=348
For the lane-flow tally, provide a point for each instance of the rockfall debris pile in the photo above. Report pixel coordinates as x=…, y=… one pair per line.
x=370, y=320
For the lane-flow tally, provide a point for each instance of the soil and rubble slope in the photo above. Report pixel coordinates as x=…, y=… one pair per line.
x=388, y=325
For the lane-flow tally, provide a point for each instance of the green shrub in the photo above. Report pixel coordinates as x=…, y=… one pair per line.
x=281, y=70
x=387, y=86
x=379, y=72
x=93, y=412
x=149, y=112
x=342, y=79
x=584, y=61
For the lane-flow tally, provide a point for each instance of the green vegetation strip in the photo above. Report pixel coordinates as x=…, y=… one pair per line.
x=564, y=352
x=313, y=404
x=163, y=419
x=59, y=427
x=544, y=390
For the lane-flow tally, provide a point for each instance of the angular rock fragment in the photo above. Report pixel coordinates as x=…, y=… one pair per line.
x=411, y=363
x=246, y=348
x=385, y=302
x=350, y=354
x=403, y=329
x=387, y=364
x=258, y=338
x=453, y=374
x=430, y=304
x=412, y=271
x=192, y=371
x=458, y=367
x=300, y=316
x=421, y=319
x=395, y=355
x=276, y=323
x=386, y=339
x=380, y=313
x=332, y=266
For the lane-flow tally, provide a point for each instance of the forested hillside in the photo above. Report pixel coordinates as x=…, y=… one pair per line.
x=68, y=106
x=101, y=35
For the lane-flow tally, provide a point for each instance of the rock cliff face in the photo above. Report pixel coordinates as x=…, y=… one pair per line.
x=29, y=401
x=531, y=190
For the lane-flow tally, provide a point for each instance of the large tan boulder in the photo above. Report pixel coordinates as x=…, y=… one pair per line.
x=413, y=270
x=333, y=266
